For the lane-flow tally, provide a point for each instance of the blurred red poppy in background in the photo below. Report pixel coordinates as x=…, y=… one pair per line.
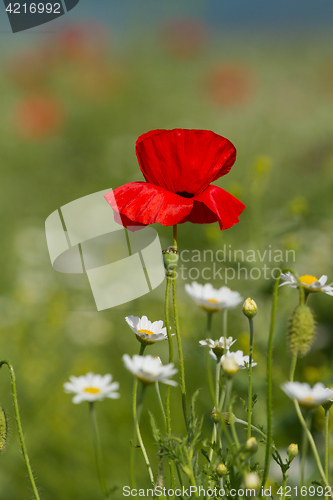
x=230, y=85
x=183, y=38
x=38, y=117
x=178, y=166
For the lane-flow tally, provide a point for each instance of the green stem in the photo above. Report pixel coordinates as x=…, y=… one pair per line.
x=224, y=328
x=292, y=368
x=168, y=392
x=19, y=427
x=327, y=415
x=269, y=371
x=98, y=450
x=304, y=449
x=161, y=404
x=133, y=446
x=137, y=409
x=217, y=394
x=312, y=444
x=250, y=379
x=208, y=361
x=179, y=343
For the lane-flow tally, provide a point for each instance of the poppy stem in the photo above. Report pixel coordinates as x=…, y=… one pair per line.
x=19, y=428
x=168, y=392
x=133, y=445
x=270, y=371
x=180, y=349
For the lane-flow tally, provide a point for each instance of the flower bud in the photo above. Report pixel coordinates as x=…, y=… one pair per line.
x=229, y=366
x=250, y=308
x=170, y=259
x=221, y=470
x=292, y=451
x=301, y=331
x=252, y=481
x=251, y=445
x=3, y=429
x=215, y=415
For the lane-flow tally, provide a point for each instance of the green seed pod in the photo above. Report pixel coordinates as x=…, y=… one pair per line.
x=3, y=429
x=170, y=259
x=301, y=331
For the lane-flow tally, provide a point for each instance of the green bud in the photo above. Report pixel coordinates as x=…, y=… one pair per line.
x=251, y=445
x=250, y=308
x=221, y=470
x=301, y=331
x=215, y=415
x=170, y=259
x=3, y=429
x=292, y=451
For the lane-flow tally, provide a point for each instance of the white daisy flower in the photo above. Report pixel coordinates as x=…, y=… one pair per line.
x=238, y=356
x=309, y=283
x=91, y=387
x=211, y=299
x=149, y=369
x=217, y=346
x=307, y=396
x=146, y=332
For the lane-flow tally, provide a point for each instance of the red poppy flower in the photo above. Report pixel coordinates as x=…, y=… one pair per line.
x=178, y=166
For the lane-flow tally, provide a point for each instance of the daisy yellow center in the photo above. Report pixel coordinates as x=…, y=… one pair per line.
x=213, y=301
x=308, y=280
x=308, y=399
x=147, y=332
x=92, y=390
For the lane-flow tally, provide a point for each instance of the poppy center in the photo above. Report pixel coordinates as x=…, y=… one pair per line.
x=147, y=332
x=92, y=390
x=185, y=194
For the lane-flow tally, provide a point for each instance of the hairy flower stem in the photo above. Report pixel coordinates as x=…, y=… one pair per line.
x=19, y=427
x=250, y=379
x=133, y=446
x=98, y=450
x=225, y=328
x=168, y=392
x=313, y=445
x=161, y=404
x=208, y=361
x=216, y=402
x=179, y=343
x=137, y=409
x=293, y=368
x=304, y=449
x=327, y=415
x=270, y=372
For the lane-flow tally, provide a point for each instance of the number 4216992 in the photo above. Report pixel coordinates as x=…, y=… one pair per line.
x=33, y=8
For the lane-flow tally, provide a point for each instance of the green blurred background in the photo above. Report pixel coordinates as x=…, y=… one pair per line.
x=72, y=104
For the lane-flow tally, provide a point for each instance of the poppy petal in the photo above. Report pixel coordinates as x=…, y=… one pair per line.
x=215, y=204
x=141, y=203
x=184, y=161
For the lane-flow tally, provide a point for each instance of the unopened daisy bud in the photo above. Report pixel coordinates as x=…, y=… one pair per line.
x=292, y=451
x=252, y=481
x=3, y=429
x=251, y=445
x=230, y=367
x=215, y=415
x=301, y=331
x=250, y=308
x=221, y=470
x=170, y=259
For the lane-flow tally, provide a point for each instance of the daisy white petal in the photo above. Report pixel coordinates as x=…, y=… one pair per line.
x=307, y=396
x=91, y=387
x=149, y=369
